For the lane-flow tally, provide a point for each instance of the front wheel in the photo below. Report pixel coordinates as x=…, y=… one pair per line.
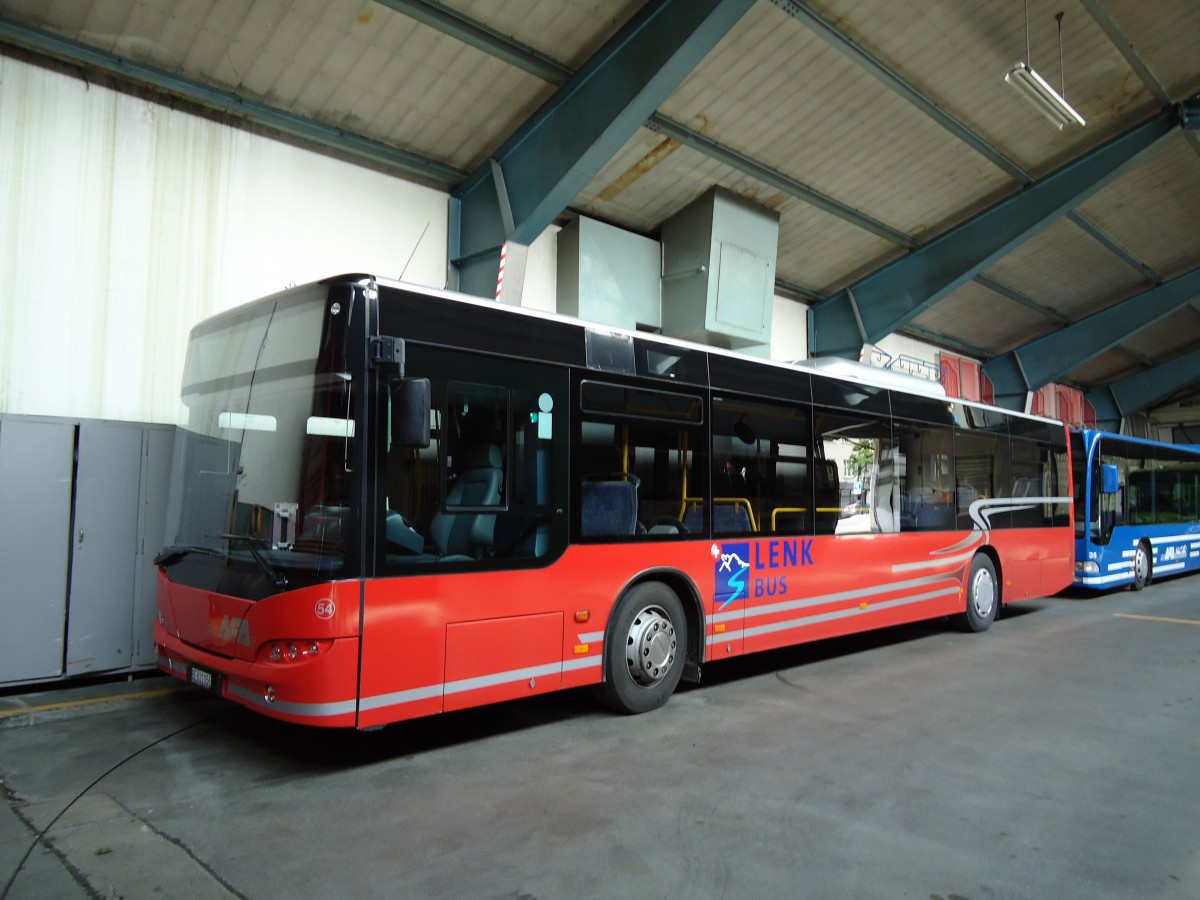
x=1141, y=567
x=645, y=649
x=983, y=595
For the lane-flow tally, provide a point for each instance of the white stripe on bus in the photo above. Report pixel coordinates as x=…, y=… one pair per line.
x=771, y=609
x=805, y=621
x=311, y=710
x=400, y=698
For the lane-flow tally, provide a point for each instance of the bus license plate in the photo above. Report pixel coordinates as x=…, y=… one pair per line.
x=204, y=679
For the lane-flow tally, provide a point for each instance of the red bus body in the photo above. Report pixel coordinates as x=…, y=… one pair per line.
x=364, y=651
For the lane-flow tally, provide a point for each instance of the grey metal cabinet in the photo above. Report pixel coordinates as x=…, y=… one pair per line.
x=84, y=506
x=36, y=464
x=158, y=451
x=104, y=552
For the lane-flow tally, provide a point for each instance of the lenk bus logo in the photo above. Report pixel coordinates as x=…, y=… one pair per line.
x=762, y=568
x=733, y=570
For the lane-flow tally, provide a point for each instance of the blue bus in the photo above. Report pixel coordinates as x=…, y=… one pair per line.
x=1137, y=509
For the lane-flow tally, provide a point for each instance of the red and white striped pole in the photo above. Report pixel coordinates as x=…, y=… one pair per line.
x=500, y=276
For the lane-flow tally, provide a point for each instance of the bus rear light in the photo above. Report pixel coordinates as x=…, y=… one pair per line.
x=293, y=651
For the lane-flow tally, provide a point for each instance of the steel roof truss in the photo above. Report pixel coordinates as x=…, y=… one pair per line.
x=1142, y=391
x=1049, y=358
x=892, y=296
x=562, y=146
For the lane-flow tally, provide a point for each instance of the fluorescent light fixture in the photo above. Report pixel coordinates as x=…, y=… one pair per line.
x=238, y=421
x=1046, y=100
x=324, y=426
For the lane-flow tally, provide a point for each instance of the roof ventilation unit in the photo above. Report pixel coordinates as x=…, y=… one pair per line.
x=608, y=275
x=718, y=282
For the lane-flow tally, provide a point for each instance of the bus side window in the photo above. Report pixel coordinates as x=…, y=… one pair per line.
x=981, y=472
x=636, y=471
x=927, y=480
x=483, y=492
x=1033, y=476
x=857, y=474
x=762, y=467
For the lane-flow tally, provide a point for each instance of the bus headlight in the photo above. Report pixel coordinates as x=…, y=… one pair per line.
x=1087, y=567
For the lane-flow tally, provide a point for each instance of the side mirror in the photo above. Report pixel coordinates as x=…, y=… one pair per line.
x=410, y=412
x=1109, y=481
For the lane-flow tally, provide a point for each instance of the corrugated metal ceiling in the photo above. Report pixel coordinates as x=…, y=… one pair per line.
x=781, y=92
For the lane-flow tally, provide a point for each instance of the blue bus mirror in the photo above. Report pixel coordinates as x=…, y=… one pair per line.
x=410, y=412
x=1109, y=482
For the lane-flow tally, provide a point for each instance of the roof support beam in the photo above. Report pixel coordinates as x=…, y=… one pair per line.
x=840, y=41
x=553, y=156
x=740, y=162
x=1016, y=296
x=484, y=38
x=1142, y=391
x=1134, y=59
x=475, y=34
x=889, y=298
x=203, y=95
x=1048, y=358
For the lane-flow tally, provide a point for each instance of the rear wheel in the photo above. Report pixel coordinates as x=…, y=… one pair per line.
x=1141, y=567
x=645, y=649
x=983, y=595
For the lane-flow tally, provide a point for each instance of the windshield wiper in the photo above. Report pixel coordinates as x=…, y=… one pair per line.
x=251, y=541
x=168, y=556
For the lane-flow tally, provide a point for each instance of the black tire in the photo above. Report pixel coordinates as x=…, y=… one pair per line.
x=1143, y=567
x=645, y=649
x=983, y=595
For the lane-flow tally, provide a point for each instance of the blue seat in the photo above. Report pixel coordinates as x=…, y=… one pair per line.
x=728, y=518
x=609, y=507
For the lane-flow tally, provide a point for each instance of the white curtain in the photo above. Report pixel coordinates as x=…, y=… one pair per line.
x=124, y=222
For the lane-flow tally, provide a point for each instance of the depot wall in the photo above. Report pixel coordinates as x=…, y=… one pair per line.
x=126, y=221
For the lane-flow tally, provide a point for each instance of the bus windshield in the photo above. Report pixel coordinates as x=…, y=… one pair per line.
x=261, y=485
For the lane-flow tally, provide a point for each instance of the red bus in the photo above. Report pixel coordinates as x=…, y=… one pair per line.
x=390, y=502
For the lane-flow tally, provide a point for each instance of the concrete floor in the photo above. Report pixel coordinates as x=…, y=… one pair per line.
x=1055, y=756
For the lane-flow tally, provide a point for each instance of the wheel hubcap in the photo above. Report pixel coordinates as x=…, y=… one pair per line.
x=1141, y=564
x=650, y=648
x=983, y=594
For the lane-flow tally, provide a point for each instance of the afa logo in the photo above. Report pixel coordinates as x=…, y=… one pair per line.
x=732, y=569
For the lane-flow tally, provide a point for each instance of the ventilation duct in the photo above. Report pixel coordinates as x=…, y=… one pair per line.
x=718, y=284
x=608, y=276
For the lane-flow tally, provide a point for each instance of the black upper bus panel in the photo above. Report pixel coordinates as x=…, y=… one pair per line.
x=417, y=317
x=751, y=377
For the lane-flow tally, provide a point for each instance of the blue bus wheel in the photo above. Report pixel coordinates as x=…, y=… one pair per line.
x=1141, y=567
